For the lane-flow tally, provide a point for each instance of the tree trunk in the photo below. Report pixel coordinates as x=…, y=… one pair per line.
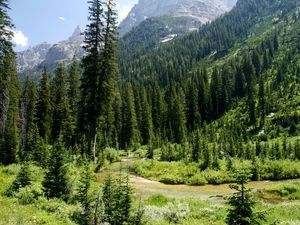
x=94, y=148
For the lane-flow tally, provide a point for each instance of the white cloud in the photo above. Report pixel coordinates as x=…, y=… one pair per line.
x=62, y=18
x=19, y=38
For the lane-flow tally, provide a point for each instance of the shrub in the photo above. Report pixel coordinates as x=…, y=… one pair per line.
x=197, y=179
x=216, y=177
x=175, y=212
x=171, y=179
x=29, y=194
x=290, y=190
x=111, y=155
x=59, y=208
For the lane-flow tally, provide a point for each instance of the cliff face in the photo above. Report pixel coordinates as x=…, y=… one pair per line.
x=197, y=10
x=50, y=55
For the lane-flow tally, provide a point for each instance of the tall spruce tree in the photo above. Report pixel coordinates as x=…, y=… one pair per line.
x=109, y=62
x=146, y=126
x=84, y=195
x=61, y=115
x=9, y=91
x=74, y=86
x=242, y=203
x=99, y=70
x=55, y=183
x=43, y=106
x=129, y=121
x=27, y=114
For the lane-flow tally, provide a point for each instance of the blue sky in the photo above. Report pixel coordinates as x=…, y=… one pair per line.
x=37, y=21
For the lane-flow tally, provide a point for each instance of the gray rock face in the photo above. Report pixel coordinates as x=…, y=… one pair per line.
x=198, y=10
x=50, y=55
x=32, y=56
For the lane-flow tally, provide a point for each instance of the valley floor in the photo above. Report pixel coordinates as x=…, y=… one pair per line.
x=162, y=203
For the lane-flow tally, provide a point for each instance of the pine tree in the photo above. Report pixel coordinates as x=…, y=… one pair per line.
x=5, y=51
x=107, y=89
x=158, y=109
x=196, y=147
x=177, y=114
x=129, y=121
x=194, y=117
x=99, y=71
x=74, y=86
x=242, y=203
x=22, y=180
x=262, y=101
x=146, y=127
x=207, y=157
x=88, y=119
x=28, y=101
x=84, y=195
x=43, y=106
x=9, y=91
x=117, y=200
x=61, y=114
x=55, y=182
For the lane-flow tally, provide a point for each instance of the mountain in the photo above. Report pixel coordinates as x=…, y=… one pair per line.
x=32, y=56
x=50, y=55
x=198, y=11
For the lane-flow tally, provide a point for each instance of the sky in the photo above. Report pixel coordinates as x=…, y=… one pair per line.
x=37, y=21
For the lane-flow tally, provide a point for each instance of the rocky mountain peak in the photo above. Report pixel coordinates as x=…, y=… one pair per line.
x=198, y=10
x=50, y=55
x=77, y=32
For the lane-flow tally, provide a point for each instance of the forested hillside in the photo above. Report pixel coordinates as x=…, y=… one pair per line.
x=214, y=106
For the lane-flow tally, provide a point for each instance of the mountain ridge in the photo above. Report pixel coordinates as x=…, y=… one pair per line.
x=49, y=55
x=202, y=11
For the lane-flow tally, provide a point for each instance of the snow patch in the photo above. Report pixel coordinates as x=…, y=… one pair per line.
x=169, y=37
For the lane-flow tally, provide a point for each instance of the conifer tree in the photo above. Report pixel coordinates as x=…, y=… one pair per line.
x=117, y=200
x=28, y=126
x=196, y=148
x=146, y=129
x=55, y=183
x=74, y=86
x=262, y=101
x=158, y=109
x=9, y=91
x=207, y=156
x=23, y=178
x=5, y=51
x=43, y=117
x=84, y=195
x=61, y=115
x=107, y=90
x=99, y=70
x=194, y=117
x=129, y=121
x=88, y=119
x=242, y=203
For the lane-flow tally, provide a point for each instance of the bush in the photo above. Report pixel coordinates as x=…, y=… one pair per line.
x=59, y=208
x=197, y=179
x=216, y=177
x=111, y=155
x=290, y=190
x=29, y=194
x=175, y=212
x=171, y=179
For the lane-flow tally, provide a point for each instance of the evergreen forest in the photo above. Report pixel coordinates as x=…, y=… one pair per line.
x=202, y=129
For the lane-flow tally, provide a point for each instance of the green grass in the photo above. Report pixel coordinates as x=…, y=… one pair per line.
x=214, y=212
x=290, y=190
x=182, y=173
x=26, y=208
